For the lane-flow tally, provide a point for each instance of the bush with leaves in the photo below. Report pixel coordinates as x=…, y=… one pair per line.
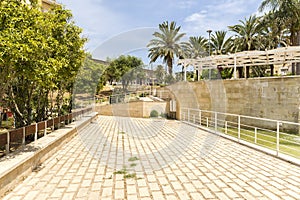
x=41, y=53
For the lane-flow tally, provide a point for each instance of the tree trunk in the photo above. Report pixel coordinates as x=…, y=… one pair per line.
x=240, y=71
x=247, y=75
x=272, y=70
x=295, y=39
x=297, y=68
x=170, y=65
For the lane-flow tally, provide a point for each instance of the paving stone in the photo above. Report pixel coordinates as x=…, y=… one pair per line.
x=206, y=193
x=119, y=194
x=31, y=195
x=68, y=196
x=157, y=195
x=85, y=167
x=144, y=192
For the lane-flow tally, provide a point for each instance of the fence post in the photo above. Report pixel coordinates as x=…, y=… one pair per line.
x=36, y=131
x=188, y=115
x=255, y=135
x=225, y=127
x=45, y=131
x=53, y=124
x=207, y=122
x=8, y=141
x=24, y=135
x=239, y=128
x=277, y=138
x=200, y=120
x=216, y=122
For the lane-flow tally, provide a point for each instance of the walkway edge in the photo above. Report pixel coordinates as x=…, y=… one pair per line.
x=21, y=165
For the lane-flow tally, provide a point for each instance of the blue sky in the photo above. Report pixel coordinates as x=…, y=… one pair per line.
x=117, y=27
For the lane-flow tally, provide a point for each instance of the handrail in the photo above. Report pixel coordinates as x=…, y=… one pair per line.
x=244, y=116
x=274, y=135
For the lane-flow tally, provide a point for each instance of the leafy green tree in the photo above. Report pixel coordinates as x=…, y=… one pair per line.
x=88, y=77
x=40, y=54
x=166, y=44
x=124, y=68
x=160, y=73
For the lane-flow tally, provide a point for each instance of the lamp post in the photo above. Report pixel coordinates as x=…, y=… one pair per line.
x=209, y=32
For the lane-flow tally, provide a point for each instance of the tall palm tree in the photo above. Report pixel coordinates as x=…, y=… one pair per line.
x=196, y=47
x=246, y=37
x=246, y=33
x=273, y=33
x=166, y=44
x=288, y=12
x=220, y=44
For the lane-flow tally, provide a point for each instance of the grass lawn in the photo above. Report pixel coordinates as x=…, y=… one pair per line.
x=288, y=144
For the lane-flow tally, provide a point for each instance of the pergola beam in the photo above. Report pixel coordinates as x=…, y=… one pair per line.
x=284, y=55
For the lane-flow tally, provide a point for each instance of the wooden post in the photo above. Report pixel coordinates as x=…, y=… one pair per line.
x=45, y=130
x=234, y=67
x=36, y=131
x=8, y=141
x=24, y=135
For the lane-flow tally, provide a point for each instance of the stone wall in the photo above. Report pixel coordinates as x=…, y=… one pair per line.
x=132, y=109
x=273, y=97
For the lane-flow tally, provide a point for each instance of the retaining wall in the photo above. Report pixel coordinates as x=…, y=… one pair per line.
x=132, y=109
x=273, y=97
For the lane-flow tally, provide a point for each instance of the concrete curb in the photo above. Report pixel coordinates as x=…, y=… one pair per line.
x=15, y=169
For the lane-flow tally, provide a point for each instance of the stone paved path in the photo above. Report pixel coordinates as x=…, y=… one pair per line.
x=128, y=158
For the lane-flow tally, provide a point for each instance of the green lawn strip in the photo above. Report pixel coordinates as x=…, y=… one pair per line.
x=267, y=139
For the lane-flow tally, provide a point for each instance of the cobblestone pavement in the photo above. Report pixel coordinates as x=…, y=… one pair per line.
x=129, y=158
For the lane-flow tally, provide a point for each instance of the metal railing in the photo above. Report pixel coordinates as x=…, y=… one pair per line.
x=12, y=139
x=123, y=97
x=279, y=138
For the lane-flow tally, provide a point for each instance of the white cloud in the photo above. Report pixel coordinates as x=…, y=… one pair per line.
x=195, y=17
x=219, y=15
x=184, y=4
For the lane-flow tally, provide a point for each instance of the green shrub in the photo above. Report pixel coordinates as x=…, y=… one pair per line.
x=153, y=113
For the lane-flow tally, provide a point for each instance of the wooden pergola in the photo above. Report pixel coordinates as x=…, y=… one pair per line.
x=280, y=56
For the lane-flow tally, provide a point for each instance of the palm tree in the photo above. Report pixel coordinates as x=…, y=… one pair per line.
x=246, y=33
x=273, y=33
x=166, y=44
x=196, y=47
x=246, y=37
x=220, y=44
x=288, y=12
